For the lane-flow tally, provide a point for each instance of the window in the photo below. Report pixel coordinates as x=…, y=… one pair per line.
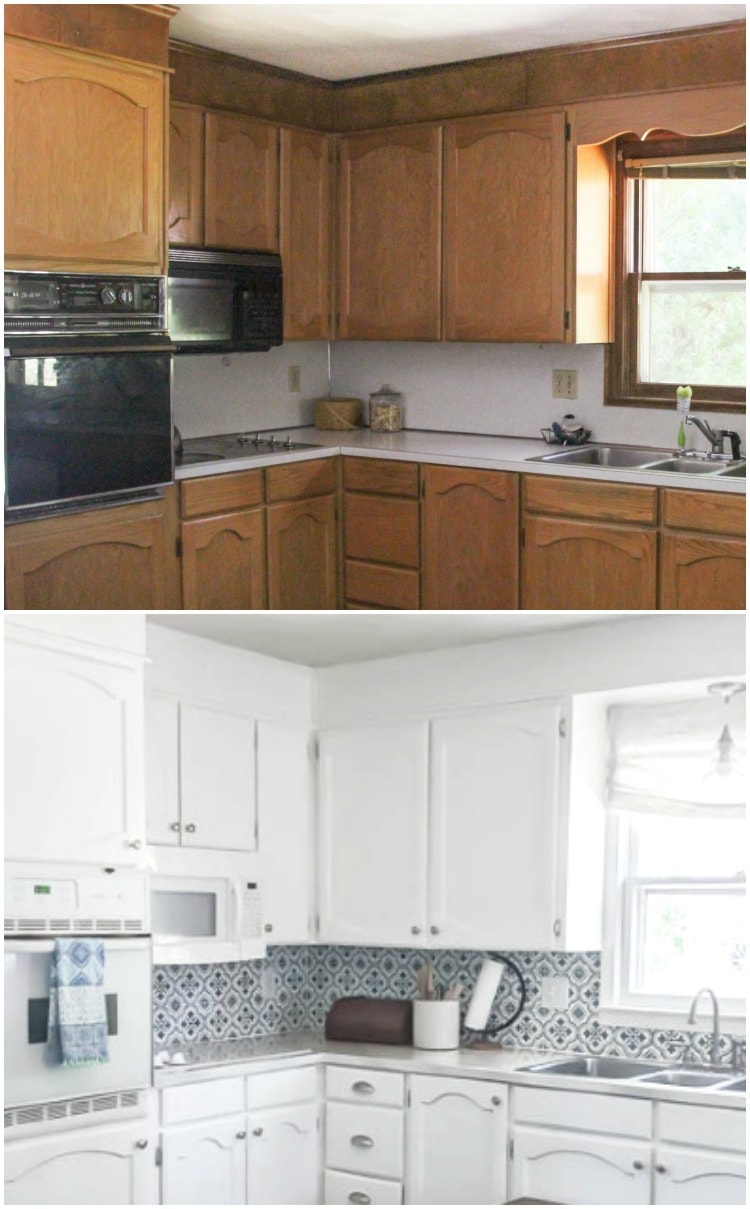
x=680, y=275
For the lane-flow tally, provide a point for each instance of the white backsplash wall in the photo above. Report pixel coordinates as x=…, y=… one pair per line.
x=242, y=392
x=503, y=390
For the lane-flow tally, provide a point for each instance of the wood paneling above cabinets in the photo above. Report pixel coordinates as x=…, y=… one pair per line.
x=128, y=31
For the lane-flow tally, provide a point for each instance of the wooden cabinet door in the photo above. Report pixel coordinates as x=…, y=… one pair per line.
x=224, y=561
x=105, y=1165
x=495, y=774
x=373, y=834
x=306, y=183
x=456, y=1142
x=469, y=539
x=504, y=228
x=571, y=564
x=701, y=572
x=241, y=183
x=302, y=554
x=690, y=1176
x=217, y=778
x=84, y=166
x=205, y=1164
x=389, y=235
x=579, y=1168
x=285, y=814
x=185, y=220
x=283, y=1166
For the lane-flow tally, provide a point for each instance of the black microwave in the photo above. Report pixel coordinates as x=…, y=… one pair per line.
x=221, y=301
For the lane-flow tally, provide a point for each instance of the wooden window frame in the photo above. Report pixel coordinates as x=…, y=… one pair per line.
x=623, y=387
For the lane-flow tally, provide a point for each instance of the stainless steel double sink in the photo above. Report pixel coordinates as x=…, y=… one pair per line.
x=646, y=1073
x=635, y=458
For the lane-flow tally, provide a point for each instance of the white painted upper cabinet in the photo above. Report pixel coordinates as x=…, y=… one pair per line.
x=373, y=827
x=456, y=1142
x=285, y=832
x=73, y=752
x=494, y=819
x=200, y=775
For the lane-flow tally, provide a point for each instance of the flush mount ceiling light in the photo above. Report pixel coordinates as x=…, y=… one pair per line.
x=727, y=761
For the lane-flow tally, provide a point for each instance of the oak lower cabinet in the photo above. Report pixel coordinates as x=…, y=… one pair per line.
x=699, y=1156
x=381, y=533
x=92, y=197
x=203, y=1139
x=123, y=557
x=469, y=538
x=365, y=1147
x=702, y=551
x=224, y=541
x=456, y=1142
x=588, y=545
x=301, y=520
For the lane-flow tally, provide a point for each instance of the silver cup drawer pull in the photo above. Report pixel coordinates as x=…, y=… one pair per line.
x=359, y=1198
x=363, y=1087
x=362, y=1140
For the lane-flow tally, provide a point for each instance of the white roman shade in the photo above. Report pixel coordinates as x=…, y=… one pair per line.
x=662, y=758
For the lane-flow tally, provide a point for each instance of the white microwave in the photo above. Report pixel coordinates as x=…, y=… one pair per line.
x=205, y=908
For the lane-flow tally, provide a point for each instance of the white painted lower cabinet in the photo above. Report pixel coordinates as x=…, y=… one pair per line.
x=96, y=1165
x=456, y=1141
x=580, y=1169
x=205, y=1163
x=283, y=1157
x=699, y=1157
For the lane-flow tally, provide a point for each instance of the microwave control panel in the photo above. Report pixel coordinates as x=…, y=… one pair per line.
x=252, y=915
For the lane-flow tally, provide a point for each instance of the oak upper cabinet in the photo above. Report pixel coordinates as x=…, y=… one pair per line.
x=186, y=135
x=389, y=235
x=285, y=832
x=496, y=774
x=504, y=227
x=223, y=541
x=301, y=535
x=702, y=551
x=372, y=877
x=241, y=182
x=469, y=538
x=91, y=196
x=456, y=1142
x=306, y=185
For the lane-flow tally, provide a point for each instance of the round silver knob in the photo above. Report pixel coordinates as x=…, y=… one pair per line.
x=434, y=931
x=258, y=1131
x=108, y=296
x=496, y=1101
x=661, y=1169
x=638, y=1165
x=359, y=1198
x=175, y=826
x=191, y=827
x=137, y=844
x=241, y=1134
x=142, y=1144
x=415, y=930
x=125, y=295
x=268, y=927
x=557, y=929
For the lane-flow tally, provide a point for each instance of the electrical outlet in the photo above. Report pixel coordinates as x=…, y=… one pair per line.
x=269, y=983
x=564, y=384
x=554, y=992
x=295, y=380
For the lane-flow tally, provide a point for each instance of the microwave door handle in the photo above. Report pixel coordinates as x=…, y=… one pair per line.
x=237, y=889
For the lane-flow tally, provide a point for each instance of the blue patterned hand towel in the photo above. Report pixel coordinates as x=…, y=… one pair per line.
x=77, y=1031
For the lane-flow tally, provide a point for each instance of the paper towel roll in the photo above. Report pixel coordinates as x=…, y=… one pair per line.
x=484, y=993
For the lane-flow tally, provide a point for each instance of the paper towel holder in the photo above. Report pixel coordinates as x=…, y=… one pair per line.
x=482, y=1038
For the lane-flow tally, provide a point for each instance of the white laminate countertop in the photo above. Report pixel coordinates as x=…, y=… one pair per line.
x=225, y=1059
x=451, y=449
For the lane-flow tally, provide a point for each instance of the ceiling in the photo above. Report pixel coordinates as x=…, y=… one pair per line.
x=348, y=41
x=324, y=640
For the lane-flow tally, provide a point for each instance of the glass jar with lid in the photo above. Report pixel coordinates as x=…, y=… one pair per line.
x=386, y=410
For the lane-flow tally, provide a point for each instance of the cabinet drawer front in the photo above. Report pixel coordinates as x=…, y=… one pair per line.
x=705, y=511
x=282, y=1087
x=344, y=1189
x=300, y=480
x=385, y=587
x=439, y=480
x=221, y=493
x=699, y=1126
x=197, y=1100
x=362, y=1086
x=596, y=501
x=381, y=529
x=381, y=477
x=367, y=1140
x=580, y=1110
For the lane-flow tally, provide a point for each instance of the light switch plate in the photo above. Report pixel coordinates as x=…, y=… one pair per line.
x=555, y=992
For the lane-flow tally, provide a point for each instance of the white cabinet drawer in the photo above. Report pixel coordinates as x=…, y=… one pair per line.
x=369, y=1140
x=695, y=1125
x=214, y=1098
x=581, y=1110
x=361, y=1086
x=344, y=1189
x=282, y=1087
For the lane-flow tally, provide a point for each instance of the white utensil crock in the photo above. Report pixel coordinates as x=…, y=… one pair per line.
x=436, y=1023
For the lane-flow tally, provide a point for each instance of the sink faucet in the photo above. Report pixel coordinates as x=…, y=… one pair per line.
x=715, y=1039
x=716, y=437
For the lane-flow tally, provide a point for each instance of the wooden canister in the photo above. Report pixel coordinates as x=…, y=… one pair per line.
x=338, y=413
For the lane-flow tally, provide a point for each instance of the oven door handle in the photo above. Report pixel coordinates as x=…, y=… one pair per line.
x=68, y=345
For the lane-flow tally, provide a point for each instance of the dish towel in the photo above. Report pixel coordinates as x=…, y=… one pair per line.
x=77, y=1026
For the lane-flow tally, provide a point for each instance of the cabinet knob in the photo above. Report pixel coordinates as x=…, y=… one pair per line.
x=557, y=929
x=268, y=927
x=142, y=1144
x=362, y=1140
x=241, y=1135
x=359, y=1198
x=496, y=1101
x=363, y=1087
x=175, y=826
x=258, y=1131
x=191, y=827
x=638, y=1165
x=434, y=931
x=661, y=1169
x=415, y=930
x=137, y=844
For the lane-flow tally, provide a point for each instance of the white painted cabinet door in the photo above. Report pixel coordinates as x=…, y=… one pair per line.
x=284, y=1159
x=579, y=1168
x=285, y=832
x=217, y=778
x=205, y=1164
x=163, y=823
x=373, y=831
x=689, y=1176
x=494, y=828
x=456, y=1142
x=73, y=757
x=107, y=1165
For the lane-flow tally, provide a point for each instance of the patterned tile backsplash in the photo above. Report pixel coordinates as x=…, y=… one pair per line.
x=294, y=986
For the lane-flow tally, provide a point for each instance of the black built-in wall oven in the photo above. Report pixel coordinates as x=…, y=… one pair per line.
x=88, y=413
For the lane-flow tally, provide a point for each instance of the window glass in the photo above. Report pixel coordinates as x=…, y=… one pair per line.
x=693, y=226
x=692, y=331
x=692, y=937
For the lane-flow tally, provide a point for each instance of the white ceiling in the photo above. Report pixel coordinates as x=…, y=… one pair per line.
x=324, y=639
x=347, y=41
